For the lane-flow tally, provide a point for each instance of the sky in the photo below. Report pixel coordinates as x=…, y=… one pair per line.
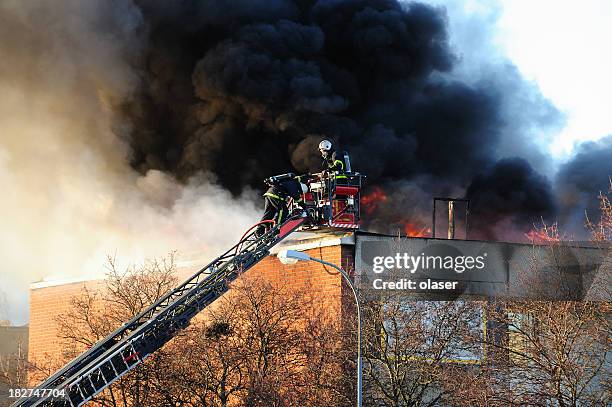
x=567, y=54
x=560, y=46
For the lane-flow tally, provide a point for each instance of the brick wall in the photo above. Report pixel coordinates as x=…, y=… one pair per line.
x=323, y=283
x=46, y=303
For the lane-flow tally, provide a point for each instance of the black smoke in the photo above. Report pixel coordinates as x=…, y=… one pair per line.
x=510, y=191
x=246, y=89
x=580, y=180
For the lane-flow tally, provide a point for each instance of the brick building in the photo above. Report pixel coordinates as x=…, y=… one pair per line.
x=52, y=298
x=354, y=251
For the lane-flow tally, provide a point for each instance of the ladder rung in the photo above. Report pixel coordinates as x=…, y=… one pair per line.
x=120, y=365
x=108, y=371
x=97, y=379
x=102, y=374
x=67, y=398
x=86, y=388
x=75, y=394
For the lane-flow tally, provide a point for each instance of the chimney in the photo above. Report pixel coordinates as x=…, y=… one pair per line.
x=451, y=216
x=451, y=219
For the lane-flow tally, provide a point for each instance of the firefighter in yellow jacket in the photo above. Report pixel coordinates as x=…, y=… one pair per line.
x=333, y=161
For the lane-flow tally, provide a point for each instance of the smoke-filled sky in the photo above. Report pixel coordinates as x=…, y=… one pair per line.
x=133, y=128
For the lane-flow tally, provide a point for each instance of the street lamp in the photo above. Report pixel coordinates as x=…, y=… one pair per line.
x=292, y=257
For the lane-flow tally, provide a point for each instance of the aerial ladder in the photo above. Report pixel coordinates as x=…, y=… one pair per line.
x=127, y=347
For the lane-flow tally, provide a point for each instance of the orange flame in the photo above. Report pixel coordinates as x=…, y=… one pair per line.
x=541, y=236
x=414, y=230
x=371, y=201
x=544, y=234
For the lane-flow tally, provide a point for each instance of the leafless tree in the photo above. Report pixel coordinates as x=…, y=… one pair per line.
x=13, y=368
x=417, y=349
x=558, y=350
x=97, y=312
x=268, y=345
x=260, y=344
x=601, y=231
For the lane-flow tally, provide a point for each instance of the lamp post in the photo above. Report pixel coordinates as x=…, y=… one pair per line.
x=292, y=257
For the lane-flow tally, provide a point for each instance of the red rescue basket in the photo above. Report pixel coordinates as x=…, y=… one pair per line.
x=332, y=202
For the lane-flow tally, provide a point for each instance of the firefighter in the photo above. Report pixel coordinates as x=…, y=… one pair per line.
x=275, y=198
x=334, y=162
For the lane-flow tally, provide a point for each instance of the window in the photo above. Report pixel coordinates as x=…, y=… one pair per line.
x=442, y=331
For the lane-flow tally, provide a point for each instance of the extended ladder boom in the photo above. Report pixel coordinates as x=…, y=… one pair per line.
x=114, y=356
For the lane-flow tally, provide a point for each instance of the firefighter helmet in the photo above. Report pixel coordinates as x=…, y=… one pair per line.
x=325, y=145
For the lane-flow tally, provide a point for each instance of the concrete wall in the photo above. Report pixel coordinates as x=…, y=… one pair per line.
x=558, y=271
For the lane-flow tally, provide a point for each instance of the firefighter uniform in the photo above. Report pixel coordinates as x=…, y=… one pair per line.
x=275, y=201
x=275, y=205
x=334, y=163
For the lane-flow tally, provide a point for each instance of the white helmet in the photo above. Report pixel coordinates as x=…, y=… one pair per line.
x=325, y=145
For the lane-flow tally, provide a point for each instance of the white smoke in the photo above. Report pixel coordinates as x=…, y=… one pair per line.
x=69, y=195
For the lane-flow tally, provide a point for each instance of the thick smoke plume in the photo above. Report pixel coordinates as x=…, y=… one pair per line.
x=509, y=193
x=143, y=126
x=70, y=197
x=248, y=90
x=581, y=178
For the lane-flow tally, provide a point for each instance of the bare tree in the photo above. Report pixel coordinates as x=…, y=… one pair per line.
x=259, y=345
x=277, y=349
x=551, y=347
x=13, y=368
x=601, y=231
x=417, y=349
x=558, y=350
x=97, y=312
x=557, y=354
